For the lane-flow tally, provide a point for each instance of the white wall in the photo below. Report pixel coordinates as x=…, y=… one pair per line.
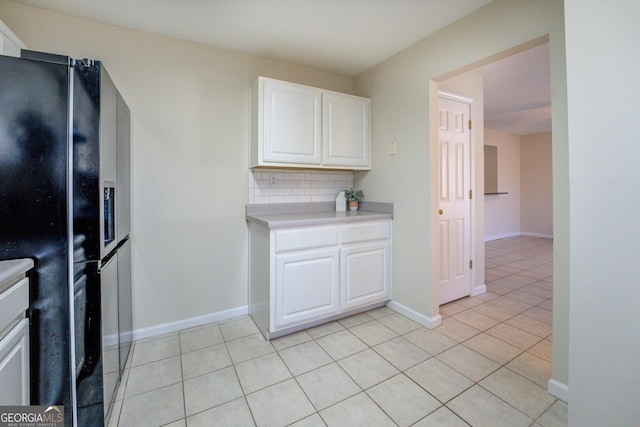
x=190, y=119
x=10, y=44
x=602, y=91
x=502, y=211
x=525, y=173
x=536, y=185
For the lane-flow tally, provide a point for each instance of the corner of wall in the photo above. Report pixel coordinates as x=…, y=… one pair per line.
x=429, y=322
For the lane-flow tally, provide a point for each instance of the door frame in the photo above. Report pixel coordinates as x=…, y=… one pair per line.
x=477, y=285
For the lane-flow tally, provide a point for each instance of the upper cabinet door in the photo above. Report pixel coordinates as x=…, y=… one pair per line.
x=294, y=125
x=345, y=131
x=291, y=123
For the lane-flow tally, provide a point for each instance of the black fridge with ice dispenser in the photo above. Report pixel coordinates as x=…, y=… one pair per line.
x=64, y=202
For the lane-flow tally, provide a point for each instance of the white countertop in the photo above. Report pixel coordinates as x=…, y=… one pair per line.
x=13, y=268
x=315, y=218
x=301, y=214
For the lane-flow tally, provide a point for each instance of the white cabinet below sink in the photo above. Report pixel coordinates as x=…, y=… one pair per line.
x=307, y=275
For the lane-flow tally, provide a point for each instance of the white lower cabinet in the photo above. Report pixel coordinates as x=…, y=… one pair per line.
x=365, y=274
x=14, y=332
x=307, y=286
x=302, y=276
x=14, y=365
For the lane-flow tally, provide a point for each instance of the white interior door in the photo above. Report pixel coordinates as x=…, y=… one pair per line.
x=454, y=183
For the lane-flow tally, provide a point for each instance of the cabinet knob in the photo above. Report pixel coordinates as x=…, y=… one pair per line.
x=440, y=211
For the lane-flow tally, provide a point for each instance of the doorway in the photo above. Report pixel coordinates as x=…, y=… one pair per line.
x=522, y=107
x=454, y=191
x=467, y=83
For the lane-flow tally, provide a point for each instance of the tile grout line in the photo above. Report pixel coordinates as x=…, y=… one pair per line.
x=184, y=393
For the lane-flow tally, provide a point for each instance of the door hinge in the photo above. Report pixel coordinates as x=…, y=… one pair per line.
x=470, y=264
x=471, y=194
x=469, y=124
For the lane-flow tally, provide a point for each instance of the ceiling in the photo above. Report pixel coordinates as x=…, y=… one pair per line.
x=517, y=92
x=343, y=36
x=346, y=37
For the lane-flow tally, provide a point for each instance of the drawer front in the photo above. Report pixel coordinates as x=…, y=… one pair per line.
x=13, y=302
x=305, y=238
x=365, y=231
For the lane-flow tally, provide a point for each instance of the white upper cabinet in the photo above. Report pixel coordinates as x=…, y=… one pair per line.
x=291, y=130
x=10, y=44
x=300, y=126
x=345, y=131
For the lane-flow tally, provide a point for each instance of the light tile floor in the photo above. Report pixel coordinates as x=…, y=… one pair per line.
x=487, y=365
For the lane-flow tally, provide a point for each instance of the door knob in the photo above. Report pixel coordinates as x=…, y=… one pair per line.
x=440, y=211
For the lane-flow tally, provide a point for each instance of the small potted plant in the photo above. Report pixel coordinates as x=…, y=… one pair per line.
x=354, y=197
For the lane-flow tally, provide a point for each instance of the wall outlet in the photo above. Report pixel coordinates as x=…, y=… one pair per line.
x=392, y=149
x=273, y=181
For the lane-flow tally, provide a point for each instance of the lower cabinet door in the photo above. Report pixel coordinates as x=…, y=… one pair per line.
x=365, y=274
x=14, y=366
x=307, y=286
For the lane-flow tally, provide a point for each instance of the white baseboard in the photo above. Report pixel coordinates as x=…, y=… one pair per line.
x=479, y=290
x=544, y=236
x=111, y=340
x=558, y=389
x=501, y=236
x=165, y=328
x=429, y=322
x=515, y=234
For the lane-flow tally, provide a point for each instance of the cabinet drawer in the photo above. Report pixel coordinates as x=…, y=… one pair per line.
x=363, y=232
x=13, y=302
x=305, y=238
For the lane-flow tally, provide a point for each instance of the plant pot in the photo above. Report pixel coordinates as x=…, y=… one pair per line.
x=353, y=205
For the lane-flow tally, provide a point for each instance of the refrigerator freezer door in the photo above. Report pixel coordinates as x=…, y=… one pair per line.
x=34, y=199
x=34, y=153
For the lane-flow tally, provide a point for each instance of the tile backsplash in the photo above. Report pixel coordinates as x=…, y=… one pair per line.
x=296, y=186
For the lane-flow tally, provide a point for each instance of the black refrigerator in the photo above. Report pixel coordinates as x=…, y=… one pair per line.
x=64, y=202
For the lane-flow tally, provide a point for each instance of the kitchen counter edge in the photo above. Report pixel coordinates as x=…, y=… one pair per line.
x=301, y=214
x=11, y=269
